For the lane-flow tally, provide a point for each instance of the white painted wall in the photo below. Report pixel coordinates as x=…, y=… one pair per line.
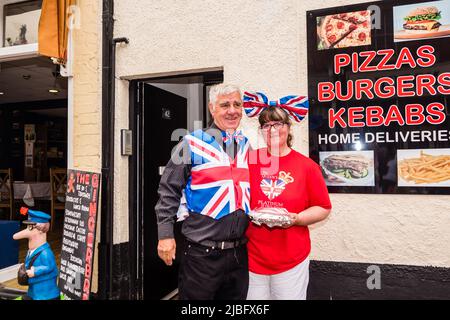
x=261, y=44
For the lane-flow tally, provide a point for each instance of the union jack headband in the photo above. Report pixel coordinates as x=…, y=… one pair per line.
x=295, y=106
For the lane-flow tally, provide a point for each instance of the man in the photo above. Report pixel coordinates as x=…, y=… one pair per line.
x=214, y=177
x=40, y=263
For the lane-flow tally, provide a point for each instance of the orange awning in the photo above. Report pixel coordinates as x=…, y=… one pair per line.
x=53, y=28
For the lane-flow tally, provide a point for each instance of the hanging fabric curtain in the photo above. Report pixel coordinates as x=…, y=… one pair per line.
x=53, y=29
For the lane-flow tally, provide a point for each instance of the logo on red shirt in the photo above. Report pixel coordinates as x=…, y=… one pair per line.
x=272, y=188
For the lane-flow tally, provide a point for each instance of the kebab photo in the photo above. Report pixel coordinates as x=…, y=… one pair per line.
x=350, y=166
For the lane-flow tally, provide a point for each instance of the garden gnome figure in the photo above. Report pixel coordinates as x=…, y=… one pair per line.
x=40, y=263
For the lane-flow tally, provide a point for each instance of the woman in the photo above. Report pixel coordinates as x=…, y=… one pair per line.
x=282, y=178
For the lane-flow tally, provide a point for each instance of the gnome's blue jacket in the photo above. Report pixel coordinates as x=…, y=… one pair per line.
x=43, y=285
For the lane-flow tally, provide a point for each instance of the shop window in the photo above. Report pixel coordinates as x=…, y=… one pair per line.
x=21, y=23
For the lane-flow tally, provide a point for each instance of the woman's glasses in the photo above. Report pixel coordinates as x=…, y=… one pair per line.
x=276, y=126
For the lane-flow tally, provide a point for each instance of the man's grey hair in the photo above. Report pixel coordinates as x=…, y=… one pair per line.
x=221, y=89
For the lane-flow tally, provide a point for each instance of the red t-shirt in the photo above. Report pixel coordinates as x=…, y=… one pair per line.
x=293, y=182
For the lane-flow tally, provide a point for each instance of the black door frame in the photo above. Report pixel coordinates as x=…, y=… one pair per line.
x=136, y=172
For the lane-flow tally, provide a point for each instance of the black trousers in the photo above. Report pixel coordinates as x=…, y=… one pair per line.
x=213, y=274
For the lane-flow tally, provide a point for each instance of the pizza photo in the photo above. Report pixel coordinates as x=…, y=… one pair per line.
x=343, y=30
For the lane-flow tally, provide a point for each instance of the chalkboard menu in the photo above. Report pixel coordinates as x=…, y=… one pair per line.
x=379, y=90
x=80, y=219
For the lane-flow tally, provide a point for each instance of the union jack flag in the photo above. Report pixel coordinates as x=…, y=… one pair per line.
x=296, y=106
x=218, y=185
x=272, y=188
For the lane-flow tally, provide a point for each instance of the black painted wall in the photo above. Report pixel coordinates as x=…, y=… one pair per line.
x=121, y=272
x=348, y=281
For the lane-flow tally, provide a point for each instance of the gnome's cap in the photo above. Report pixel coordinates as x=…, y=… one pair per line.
x=35, y=217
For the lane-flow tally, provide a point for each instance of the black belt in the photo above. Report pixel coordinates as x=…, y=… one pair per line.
x=221, y=245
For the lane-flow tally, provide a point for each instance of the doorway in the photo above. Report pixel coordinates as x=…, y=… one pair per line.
x=159, y=108
x=33, y=142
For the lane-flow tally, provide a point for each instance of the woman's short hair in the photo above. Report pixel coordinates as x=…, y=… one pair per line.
x=221, y=89
x=274, y=113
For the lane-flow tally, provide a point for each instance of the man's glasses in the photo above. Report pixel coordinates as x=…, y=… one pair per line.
x=276, y=126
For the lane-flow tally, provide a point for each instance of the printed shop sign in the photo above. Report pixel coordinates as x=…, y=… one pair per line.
x=379, y=86
x=80, y=220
